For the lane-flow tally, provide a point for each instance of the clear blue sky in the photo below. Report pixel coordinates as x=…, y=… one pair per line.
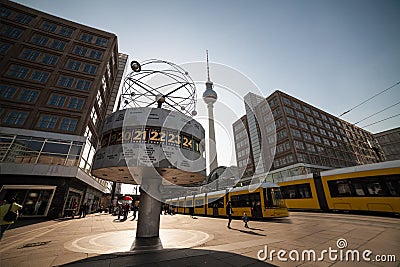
x=331, y=54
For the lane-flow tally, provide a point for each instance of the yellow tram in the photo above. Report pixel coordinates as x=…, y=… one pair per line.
x=371, y=188
x=258, y=201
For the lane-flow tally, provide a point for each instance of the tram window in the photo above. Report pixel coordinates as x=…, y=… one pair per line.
x=246, y=200
x=372, y=186
x=296, y=191
x=374, y=189
x=393, y=184
x=358, y=189
x=340, y=188
x=199, y=202
x=216, y=203
x=189, y=203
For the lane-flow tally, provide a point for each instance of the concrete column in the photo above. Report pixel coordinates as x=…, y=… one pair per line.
x=148, y=225
x=149, y=216
x=211, y=132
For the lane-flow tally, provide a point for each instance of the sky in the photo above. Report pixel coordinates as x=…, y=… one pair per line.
x=331, y=54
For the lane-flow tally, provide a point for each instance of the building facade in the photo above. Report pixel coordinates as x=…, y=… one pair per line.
x=291, y=133
x=58, y=81
x=390, y=142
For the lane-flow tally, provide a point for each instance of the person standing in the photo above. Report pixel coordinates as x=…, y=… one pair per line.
x=245, y=219
x=14, y=207
x=134, y=209
x=229, y=213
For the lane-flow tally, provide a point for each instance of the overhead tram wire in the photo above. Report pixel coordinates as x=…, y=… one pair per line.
x=377, y=113
x=381, y=120
x=369, y=99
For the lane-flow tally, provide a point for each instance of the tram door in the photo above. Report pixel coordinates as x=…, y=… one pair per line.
x=215, y=209
x=255, y=201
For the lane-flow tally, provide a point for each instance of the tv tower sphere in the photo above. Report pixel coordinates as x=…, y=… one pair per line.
x=209, y=95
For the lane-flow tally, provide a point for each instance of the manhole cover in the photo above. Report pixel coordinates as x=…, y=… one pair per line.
x=36, y=244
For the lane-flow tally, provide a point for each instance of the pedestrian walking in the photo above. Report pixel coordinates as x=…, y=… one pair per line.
x=229, y=213
x=134, y=209
x=245, y=219
x=8, y=215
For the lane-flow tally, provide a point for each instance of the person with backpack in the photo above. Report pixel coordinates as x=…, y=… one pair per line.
x=8, y=215
x=245, y=219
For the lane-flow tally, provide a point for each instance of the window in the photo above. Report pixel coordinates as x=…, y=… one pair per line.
x=326, y=142
x=66, y=31
x=7, y=91
x=331, y=135
x=307, y=136
x=286, y=101
x=101, y=41
x=310, y=119
x=11, y=32
x=307, y=110
x=327, y=125
x=73, y=65
x=298, y=144
x=317, y=139
x=4, y=12
x=296, y=105
x=289, y=111
x=282, y=134
x=292, y=121
x=295, y=132
x=324, y=117
x=82, y=85
x=80, y=50
x=4, y=48
x=17, y=71
x=279, y=123
x=90, y=68
x=95, y=54
x=277, y=111
x=68, y=124
x=28, y=95
x=15, y=117
x=47, y=26
x=322, y=131
x=23, y=19
x=303, y=125
x=39, y=76
x=310, y=147
x=86, y=37
x=76, y=103
x=273, y=102
x=59, y=45
x=40, y=40
x=297, y=191
x=49, y=59
x=57, y=100
x=315, y=113
x=65, y=81
x=313, y=129
x=319, y=122
x=48, y=122
x=300, y=115
x=93, y=116
x=99, y=99
x=29, y=54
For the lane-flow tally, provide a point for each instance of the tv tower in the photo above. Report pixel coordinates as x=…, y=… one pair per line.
x=210, y=97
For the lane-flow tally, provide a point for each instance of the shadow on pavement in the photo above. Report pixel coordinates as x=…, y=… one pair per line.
x=248, y=232
x=171, y=257
x=21, y=222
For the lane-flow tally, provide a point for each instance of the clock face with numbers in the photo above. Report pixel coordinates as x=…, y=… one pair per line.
x=137, y=139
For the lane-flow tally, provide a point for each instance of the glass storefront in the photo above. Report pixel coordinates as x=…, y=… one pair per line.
x=37, y=150
x=35, y=200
